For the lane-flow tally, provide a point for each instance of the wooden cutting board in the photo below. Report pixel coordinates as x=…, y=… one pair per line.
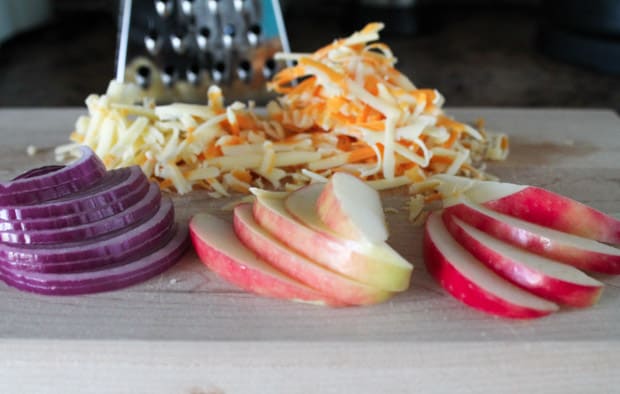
x=187, y=331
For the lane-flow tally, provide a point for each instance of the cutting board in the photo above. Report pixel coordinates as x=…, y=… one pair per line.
x=187, y=331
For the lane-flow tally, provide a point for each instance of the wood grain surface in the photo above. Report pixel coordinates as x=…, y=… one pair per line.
x=187, y=331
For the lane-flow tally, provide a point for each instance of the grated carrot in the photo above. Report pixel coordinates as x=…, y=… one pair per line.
x=361, y=154
x=454, y=136
x=442, y=159
x=432, y=197
x=345, y=107
x=242, y=175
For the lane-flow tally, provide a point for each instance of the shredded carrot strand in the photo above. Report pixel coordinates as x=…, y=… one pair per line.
x=450, y=124
x=432, y=197
x=361, y=154
x=242, y=175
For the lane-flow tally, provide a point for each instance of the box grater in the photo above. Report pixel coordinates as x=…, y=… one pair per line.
x=175, y=49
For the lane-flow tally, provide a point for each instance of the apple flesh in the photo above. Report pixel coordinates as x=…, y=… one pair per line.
x=300, y=268
x=352, y=209
x=579, y=252
x=537, y=205
x=471, y=282
x=221, y=251
x=376, y=265
x=546, y=278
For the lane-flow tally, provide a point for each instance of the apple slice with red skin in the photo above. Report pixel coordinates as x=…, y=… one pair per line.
x=471, y=282
x=352, y=209
x=583, y=253
x=536, y=205
x=298, y=267
x=546, y=278
x=219, y=249
x=373, y=264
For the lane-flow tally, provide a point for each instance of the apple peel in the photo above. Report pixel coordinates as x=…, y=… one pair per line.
x=298, y=267
x=376, y=265
x=546, y=278
x=583, y=253
x=535, y=205
x=471, y=282
x=219, y=249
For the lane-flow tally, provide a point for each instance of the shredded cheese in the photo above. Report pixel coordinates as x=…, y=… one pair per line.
x=344, y=107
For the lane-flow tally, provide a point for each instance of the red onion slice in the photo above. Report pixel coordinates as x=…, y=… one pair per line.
x=37, y=171
x=58, y=182
x=55, y=192
x=113, y=186
x=79, y=218
x=113, y=278
x=146, y=207
x=88, y=254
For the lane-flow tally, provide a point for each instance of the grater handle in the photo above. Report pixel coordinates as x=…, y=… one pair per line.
x=123, y=42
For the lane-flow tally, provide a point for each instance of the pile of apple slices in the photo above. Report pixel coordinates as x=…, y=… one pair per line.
x=324, y=243
x=518, y=251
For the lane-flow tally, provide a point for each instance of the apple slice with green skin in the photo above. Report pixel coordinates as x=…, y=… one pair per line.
x=298, y=267
x=376, y=265
x=219, y=249
x=471, y=282
x=536, y=205
x=583, y=253
x=546, y=278
x=352, y=209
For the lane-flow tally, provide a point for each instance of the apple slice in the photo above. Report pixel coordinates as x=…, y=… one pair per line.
x=352, y=209
x=537, y=205
x=373, y=264
x=221, y=251
x=471, y=282
x=579, y=252
x=298, y=267
x=546, y=278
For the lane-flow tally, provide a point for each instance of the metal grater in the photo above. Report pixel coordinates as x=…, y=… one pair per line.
x=175, y=49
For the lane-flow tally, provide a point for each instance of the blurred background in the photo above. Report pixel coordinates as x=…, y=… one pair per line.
x=523, y=53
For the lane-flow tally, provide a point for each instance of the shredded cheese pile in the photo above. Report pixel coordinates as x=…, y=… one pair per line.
x=343, y=108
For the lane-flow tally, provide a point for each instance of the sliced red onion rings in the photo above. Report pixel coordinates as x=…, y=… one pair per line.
x=113, y=186
x=79, y=218
x=78, y=229
x=43, y=195
x=52, y=182
x=90, y=254
x=111, y=278
x=136, y=213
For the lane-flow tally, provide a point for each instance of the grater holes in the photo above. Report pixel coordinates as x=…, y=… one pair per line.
x=192, y=74
x=164, y=7
x=213, y=6
x=152, y=42
x=178, y=39
x=202, y=38
x=230, y=30
x=169, y=75
x=229, y=35
x=253, y=34
x=143, y=76
x=244, y=70
x=270, y=68
x=219, y=72
x=187, y=7
x=239, y=5
x=226, y=45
